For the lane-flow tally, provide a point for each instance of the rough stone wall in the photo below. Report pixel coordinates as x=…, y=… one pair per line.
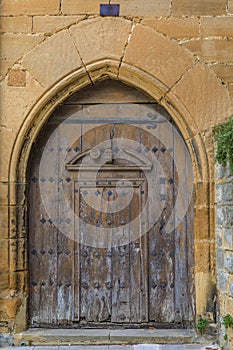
x=181, y=44
x=224, y=229
x=203, y=27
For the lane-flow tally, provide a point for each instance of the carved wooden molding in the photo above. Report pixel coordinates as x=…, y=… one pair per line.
x=102, y=160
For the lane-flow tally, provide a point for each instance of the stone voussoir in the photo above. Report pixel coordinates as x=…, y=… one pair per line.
x=94, y=38
x=157, y=55
x=207, y=109
x=58, y=57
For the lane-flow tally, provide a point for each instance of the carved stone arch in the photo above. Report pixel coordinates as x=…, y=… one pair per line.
x=191, y=99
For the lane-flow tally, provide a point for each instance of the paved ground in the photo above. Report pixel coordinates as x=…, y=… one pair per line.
x=111, y=347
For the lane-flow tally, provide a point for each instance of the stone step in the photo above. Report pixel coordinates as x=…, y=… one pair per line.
x=106, y=336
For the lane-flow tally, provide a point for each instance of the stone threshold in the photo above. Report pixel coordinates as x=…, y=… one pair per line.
x=106, y=336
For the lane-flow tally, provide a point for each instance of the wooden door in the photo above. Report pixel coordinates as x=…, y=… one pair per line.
x=102, y=194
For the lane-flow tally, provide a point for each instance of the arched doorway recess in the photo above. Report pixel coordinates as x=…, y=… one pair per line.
x=108, y=243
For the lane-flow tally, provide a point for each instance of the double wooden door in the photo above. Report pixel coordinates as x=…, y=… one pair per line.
x=102, y=192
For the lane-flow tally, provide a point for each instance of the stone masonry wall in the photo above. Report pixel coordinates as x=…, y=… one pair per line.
x=203, y=27
x=224, y=230
x=185, y=49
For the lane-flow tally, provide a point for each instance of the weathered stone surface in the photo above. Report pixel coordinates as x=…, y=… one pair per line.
x=222, y=278
x=94, y=38
x=219, y=232
x=224, y=72
x=203, y=283
x=217, y=26
x=176, y=28
x=3, y=193
x=202, y=193
x=158, y=55
x=17, y=281
x=231, y=289
x=7, y=140
x=16, y=102
x=224, y=172
x=20, y=24
x=17, y=253
x=58, y=57
x=230, y=89
x=17, y=77
x=219, y=257
x=220, y=215
x=4, y=256
x=228, y=192
x=230, y=6
x=150, y=85
x=127, y=337
x=127, y=7
x=4, y=67
x=138, y=8
x=9, y=307
x=50, y=24
x=72, y=7
x=202, y=249
x=228, y=238
x=29, y=7
x=194, y=91
x=17, y=227
x=212, y=50
x=13, y=46
x=219, y=193
x=202, y=221
x=228, y=215
x=4, y=285
x=228, y=262
x=219, y=240
x=198, y=7
x=229, y=309
x=6, y=340
x=4, y=222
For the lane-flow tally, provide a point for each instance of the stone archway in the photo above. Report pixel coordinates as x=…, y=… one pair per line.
x=149, y=67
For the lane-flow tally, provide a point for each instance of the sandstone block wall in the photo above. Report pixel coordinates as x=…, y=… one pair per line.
x=185, y=49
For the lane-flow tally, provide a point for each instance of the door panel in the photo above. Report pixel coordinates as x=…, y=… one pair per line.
x=115, y=168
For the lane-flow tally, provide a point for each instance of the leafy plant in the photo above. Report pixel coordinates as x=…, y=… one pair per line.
x=228, y=321
x=202, y=325
x=224, y=136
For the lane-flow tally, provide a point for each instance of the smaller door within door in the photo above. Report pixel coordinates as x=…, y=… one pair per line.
x=113, y=279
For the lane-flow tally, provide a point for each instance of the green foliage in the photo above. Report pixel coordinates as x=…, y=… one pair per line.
x=225, y=337
x=202, y=325
x=224, y=136
x=228, y=321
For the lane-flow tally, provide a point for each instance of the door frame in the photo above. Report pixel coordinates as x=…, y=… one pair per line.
x=34, y=122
